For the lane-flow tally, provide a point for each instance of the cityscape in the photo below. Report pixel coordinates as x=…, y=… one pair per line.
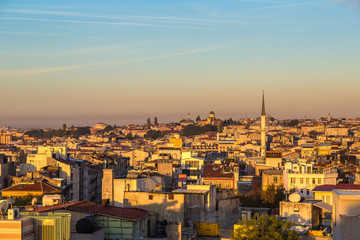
x=180, y=120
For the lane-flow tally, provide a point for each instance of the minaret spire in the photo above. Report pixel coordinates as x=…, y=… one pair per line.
x=263, y=105
x=263, y=128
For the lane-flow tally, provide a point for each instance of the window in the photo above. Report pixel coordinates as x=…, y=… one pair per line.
x=296, y=209
x=151, y=197
x=313, y=181
x=292, y=180
x=307, y=181
x=171, y=196
x=301, y=180
x=307, y=191
x=142, y=225
x=275, y=179
x=319, y=180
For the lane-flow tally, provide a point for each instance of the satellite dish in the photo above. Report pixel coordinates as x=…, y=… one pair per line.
x=34, y=201
x=294, y=197
x=3, y=207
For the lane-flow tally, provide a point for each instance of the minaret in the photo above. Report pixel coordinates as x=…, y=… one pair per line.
x=263, y=128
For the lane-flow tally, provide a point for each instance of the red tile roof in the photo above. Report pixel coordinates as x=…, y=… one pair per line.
x=216, y=171
x=339, y=186
x=34, y=187
x=94, y=208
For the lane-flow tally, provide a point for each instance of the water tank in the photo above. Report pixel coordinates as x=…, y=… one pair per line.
x=51, y=200
x=87, y=224
x=294, y=197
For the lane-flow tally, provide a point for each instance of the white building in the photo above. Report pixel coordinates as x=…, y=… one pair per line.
x=346, y=214
x=302, y=178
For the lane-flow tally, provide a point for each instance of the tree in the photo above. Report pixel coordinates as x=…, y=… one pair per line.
x=220, y=127
x=129, y=136
x=293, y=123
x=198, y=118
x=148, y=121
x=313, y=134
x=64, y=126
x=264, y=228
x=153, y=134
x=191, y=129
x=272, y=196
x=251, y=199
x=155, y=121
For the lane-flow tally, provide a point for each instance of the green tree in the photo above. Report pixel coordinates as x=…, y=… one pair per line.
x=264, y=228
x=273, y=195
x=313, y=134
x=156, y=121
x=153, y=134
x=251, y=199
x=64, y=126
x=148, y=121
x=198, y=118
x=129, y=136
x=293, y=123
x=220, y=127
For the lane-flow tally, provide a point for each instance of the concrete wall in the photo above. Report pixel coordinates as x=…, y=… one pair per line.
x=301, y=213
x=171, y=210
x=98, y=235
x=345, y=217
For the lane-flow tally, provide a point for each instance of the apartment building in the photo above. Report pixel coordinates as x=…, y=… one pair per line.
x=302, y=178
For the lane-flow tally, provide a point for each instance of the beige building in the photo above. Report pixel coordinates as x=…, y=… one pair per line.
x=272, y=177
x=302, y=213
x=114, y=189
x=5, y=168
x=45, y=156
x=191, y=166
x=136, y=156
x=5, y=138
x=346, y=214
x=302, y=178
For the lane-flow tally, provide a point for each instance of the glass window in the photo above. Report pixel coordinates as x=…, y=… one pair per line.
x=301, y=180
x=275, y=179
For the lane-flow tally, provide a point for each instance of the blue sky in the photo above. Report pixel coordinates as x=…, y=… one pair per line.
x=83, y=62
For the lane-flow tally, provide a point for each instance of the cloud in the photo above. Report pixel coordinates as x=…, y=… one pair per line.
x=288, y=5
x=28, y=72
x=61, y=35
x=103, y=23
x=353, y=3
x=111, y=16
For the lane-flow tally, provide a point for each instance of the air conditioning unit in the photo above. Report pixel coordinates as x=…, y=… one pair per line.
x=13, y=213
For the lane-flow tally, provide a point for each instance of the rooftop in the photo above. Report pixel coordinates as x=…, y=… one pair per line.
x=32, y=187
x=94, y=208
x=329, y=188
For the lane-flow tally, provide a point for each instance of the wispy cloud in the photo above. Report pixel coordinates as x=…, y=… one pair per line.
x=287, y=5
x=111, y=16
x=62, y=35
x=28, y=72
x=98, y=22
x=353, y=3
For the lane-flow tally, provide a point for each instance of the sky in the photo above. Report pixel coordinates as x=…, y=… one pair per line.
x=120, y=62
